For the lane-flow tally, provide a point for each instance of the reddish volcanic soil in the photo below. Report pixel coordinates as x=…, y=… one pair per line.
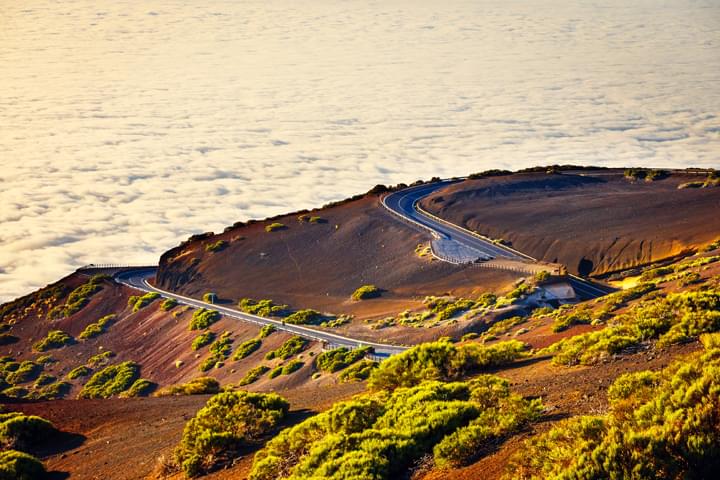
x=594, y=223
x=319, y=265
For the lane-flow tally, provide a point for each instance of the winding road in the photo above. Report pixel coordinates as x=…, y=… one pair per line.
x=403, y=203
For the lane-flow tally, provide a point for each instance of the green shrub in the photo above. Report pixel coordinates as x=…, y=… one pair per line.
x=16, y=392
x=44, y=379
x=246, y=348
x=19, y=431
x=81, y=371
x=78, y=298
x=266, y=331
x=197, y=386
x=137, y=303
x=441, y=361
x=97, y=328
x=263, y=308
x=203, y=318
x=216, y=246
x=54, y=339
x=358, y=371
x=660, y=425
x=291, y=347
x=275, y=372
x=25, y=372
x=304, y=317
x=101, y=358
x=16, y=465
x=228, y=423
x=201, y=340
x=382, y=436
x=253, y=375
x=219, y=351
x=291, y=367
x=365, y=292
x=110, y=381
x=339, y=358
x=140, y=388
x=168, y=304
x=53, y=391
x=273, y=227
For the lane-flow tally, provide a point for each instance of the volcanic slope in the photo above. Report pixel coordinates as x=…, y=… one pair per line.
x=593, y=222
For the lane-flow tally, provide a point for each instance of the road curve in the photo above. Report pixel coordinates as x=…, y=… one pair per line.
x=404, y=203
x=138, y=279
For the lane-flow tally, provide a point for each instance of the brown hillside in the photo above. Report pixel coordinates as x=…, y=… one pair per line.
x=594, y=223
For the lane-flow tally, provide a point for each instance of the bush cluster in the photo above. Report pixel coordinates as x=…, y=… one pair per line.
x=78, y=298
x=98, y=328
x=291, y=347
x=365, y=292
x=101, y=358
x=227, y=423
x=253, y=375
x=138, y=302
x=291, y=367
x=140, y=388
x=77, y=372
x=54, y=339
x=337, y=359
x=19, y=431
x=380, y=436
x=304, y=317
x=263, y=308
x=111, y=380
x=219, y=351
x=246, y=348
x=201, y=340
x=441, y=361
x=358, y=371
x=203, y=318
x=660, y=425
x=197, y=386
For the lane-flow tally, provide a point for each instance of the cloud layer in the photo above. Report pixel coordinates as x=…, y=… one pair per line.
x=124, y=129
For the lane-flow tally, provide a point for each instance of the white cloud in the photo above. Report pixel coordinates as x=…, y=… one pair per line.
x=125, y=130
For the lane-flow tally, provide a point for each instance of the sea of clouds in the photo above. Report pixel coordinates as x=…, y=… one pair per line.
x=126, y=126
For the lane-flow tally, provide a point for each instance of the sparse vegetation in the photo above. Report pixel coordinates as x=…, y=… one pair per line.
x=197, y=386
x=54, y=339
x=366, y=292
x=203, y=318
x=263, y=308
x=335, y=360
x=139, y=302
x=98, y=328
x=219, y=351
x=291, y=347
x=78, y=298
x=111, y=380
x=246, y=348
x=660, y=425
x=216, y=246
x=229, y=422
x=274, y=227
x=253, y=375
x=100, y=358
x=201, y=340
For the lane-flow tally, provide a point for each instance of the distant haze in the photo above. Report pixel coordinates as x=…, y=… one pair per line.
x=125, y=127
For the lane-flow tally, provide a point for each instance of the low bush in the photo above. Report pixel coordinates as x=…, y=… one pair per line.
x=358, y=371
x=20, y=432
x=78, y=298
x=291, y=367
x=110, y=381
x=263, y=308
x=201, y=340
x=98, y=328
x=81, y=371
x=291, y=347
x=246, y=348
x=54, y=339
x=219, y=351
x=266, y=331
x=44, y=379
x=366, y=292
x=197, y=386
x=441, y=361
x=16, y=465
x=53, y=391
x=101, y=358
x=304, y=317
x=274, y=227
x=168, y=304
x=216, y=246
x=139, y=302
x=228, y=422
x=253, y=375
x=339, y=358
x=203, y=318
x=25, y=372
x=140, y=388
x=660, y=425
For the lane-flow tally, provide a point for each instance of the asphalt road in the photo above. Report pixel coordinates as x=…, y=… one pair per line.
x=404, y=203
x=138, y=279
